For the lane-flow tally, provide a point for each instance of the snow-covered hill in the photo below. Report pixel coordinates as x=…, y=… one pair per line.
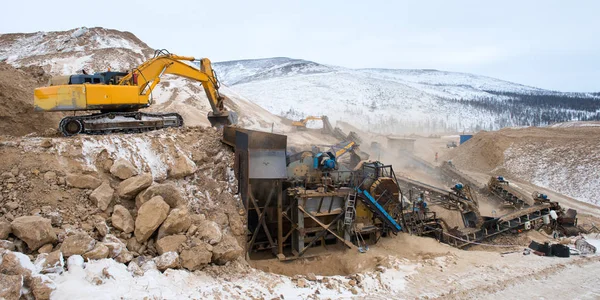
x=383, y=100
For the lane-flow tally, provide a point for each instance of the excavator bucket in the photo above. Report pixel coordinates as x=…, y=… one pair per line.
x=224, y=119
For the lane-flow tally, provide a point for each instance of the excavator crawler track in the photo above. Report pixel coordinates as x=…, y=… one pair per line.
x=110, y=122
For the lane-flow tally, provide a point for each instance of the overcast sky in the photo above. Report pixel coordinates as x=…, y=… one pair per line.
x=548, y=44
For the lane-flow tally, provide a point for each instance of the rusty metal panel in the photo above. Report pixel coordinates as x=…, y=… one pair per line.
x=252, y=139
x=267, y=164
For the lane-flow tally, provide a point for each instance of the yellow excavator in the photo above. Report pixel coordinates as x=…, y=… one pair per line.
x=301, y=125
x=118, y=96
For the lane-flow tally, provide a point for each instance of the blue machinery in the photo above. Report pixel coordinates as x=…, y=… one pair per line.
x=380, y=211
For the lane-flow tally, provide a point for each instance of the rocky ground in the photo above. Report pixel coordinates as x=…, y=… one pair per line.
x=163, y=198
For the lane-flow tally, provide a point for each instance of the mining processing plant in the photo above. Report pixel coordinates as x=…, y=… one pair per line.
x=297, y=201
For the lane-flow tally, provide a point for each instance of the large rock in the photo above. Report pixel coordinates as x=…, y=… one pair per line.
x=226, y=251
x=170, y=243
x=102, y=196
x=42, y=286
x=77, y=244
x=168, y=191
x=16, y=263
x=168, y=260
x=181, y=167
x=196, y=257
x=129, y=188
x=46, y=248
x=50, y=177
x=149, y=218
x=115, y=246
x=53, y=262
x=124, y=257
x=33, y=230
x=122, y=219
x=83, y=181
x=10, y=286
x=8, y=245
x=177, y=221
x=123, y=169
x=5, y=230
x=100, y=251
x=209, y=232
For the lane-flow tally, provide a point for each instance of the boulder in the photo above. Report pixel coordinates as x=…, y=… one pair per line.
x=115, y=246
x=149, y=218
x=53, y=262
x=181, y=167
x=236, y=225
x=169, y=192
x=134, y=245
x=102, y=196
x=196, y=257
x=16, y=263
x=177, y=221
x=46, y=143
x=168, y=260
x=129, y=188
x=42, y=286
x=122, y=219
x=100, y=251
x=5, y=230
x=83, y=181
x=135, y=269
x=8, y=245
x=209, y=232
x=124, y=257
x=226, y=251
x=50, y=177
x=77, y=244
x=101, y=227
x=45, y=249
x=10, y=286
x=170, y=243
x=220, y=218
x=33, y=230
x=123, y=169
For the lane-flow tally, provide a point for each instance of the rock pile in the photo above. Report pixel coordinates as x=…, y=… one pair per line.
x=116, y=211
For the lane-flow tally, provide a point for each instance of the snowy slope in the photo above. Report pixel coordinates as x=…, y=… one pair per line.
x=388, y=101
x=382, y=100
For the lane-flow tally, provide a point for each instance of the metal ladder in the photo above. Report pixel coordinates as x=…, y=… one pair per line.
x=350, y=209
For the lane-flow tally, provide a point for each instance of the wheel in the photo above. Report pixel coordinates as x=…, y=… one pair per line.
x=72, y=127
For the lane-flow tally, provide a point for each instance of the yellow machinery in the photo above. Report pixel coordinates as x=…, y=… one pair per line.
x=119, y=95
x=301, y=125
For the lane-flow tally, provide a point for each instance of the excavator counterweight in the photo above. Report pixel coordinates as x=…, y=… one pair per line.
x=119, y=95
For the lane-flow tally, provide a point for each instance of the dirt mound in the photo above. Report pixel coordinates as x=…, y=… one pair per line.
x=563, y=159
x=16, y=95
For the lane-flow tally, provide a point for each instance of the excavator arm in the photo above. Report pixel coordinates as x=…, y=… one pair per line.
x=147, y=76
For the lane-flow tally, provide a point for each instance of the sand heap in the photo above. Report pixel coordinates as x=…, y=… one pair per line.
x=560, y=158
x=16, y=96
x=160, y=200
